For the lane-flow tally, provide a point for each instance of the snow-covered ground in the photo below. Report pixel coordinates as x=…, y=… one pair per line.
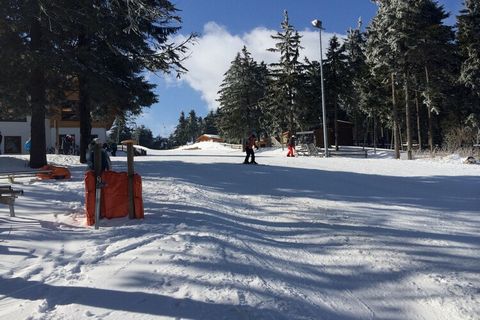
x=292, y=238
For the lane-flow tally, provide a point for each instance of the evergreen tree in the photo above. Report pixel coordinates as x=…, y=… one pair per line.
x=434, y=62
x=180, y=136
x=336, y=81
x=29, y=62
x=99, y=48
x=361, y=89
x=381, y=60
x=193, y=126
x=309, y=112
x=210, y=123
x=469, y=38
x=115, y=43
x=144, y=136
x=286, y=79
x=242, y=89
x=394, y=43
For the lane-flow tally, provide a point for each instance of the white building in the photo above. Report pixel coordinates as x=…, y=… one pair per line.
x=16, y=132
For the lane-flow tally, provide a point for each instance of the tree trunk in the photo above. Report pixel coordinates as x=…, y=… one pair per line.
x=429, y=112
x=365, y=136
x=419, y=127
x=84, y=102
x=38, y=154
x=335, y=125
x=85, y=119
x=407, y=118
x=355, y=127
x=396, y=136
x=374, y=134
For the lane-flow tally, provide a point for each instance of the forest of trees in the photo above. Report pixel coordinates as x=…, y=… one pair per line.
x=407, y=77
x=97, y=50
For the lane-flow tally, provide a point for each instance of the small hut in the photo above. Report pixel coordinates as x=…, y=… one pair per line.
x=209, y=137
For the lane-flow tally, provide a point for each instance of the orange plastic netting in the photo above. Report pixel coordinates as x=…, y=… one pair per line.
x=114, y=200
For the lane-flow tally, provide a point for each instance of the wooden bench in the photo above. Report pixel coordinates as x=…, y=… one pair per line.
x=8, y=195
x=11, y=175
x=349, y=153
x=308, y=149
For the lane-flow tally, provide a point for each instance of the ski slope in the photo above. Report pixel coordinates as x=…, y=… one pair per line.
x=291, y=238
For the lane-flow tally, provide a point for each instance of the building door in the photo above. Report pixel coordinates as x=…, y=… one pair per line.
x=12, y=145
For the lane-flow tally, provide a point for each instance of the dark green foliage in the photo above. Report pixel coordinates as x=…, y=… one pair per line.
x=209, y=123
x=469, y=39
x=98, y=48
x=286, y=80
x=337, y=83
x=188, y=129
x=309, y=111
x=143, y=136
x=240, y=96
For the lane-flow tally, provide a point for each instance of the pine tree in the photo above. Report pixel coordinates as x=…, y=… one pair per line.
x=115, y=43
x=394, y=43
x=434, y=62
x=29, y=63
x=336, y=79
x=469, y=38
x=382, y=62
x=180, y=135
x=358, y=73
x=309, y=111
x=286, y=79
x=193, y=126
x=242, y=89
x=99, y=48
x=366, y=97
x=210, y=123
x=144, y=136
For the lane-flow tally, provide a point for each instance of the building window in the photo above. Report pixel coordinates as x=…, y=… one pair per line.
x=12, y=144
x=69, y=114
x=11, y=117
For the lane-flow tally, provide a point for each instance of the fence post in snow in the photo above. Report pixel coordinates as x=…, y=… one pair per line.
x=130, y=173
x=97, y=154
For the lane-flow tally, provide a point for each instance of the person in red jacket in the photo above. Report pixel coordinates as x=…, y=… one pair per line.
x=291, y=147
x=250, y=144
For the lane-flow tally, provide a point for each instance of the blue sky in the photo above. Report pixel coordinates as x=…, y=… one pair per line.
x=224, y=26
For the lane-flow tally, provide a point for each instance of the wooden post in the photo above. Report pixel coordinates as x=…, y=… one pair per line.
x=97, y=156
x=57, y=137
x=11, y=207
x=130, y=173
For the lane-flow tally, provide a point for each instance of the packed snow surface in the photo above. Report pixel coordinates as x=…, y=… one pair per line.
x=291, y=238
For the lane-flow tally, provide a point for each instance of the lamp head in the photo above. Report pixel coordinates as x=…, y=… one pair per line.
x=317, y=24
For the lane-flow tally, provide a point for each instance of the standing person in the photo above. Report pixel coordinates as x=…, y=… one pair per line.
x=291, y=146
x=1, y=138
x=106, y=163
x=65, y=145
x=113, y=148
x=249, y=149
x=28, y=145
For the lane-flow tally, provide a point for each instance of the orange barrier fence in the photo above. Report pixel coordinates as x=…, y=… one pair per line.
x=114, y=200
x=54, y=172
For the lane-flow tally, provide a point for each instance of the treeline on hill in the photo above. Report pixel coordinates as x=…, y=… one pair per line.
x=187, y=131
x=407, y=78
x=87, y=55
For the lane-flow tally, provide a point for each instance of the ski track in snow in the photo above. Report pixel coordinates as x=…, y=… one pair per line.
x=297, y=238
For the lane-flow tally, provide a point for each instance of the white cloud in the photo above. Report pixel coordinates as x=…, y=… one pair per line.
x=215, y=49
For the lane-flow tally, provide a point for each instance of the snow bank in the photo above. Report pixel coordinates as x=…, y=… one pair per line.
x=291, y=238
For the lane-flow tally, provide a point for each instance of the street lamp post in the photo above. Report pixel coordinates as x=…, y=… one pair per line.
x=318, y=24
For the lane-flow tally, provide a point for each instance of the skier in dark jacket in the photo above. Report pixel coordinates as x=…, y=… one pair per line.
x=106, y=164
x=250, y=144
